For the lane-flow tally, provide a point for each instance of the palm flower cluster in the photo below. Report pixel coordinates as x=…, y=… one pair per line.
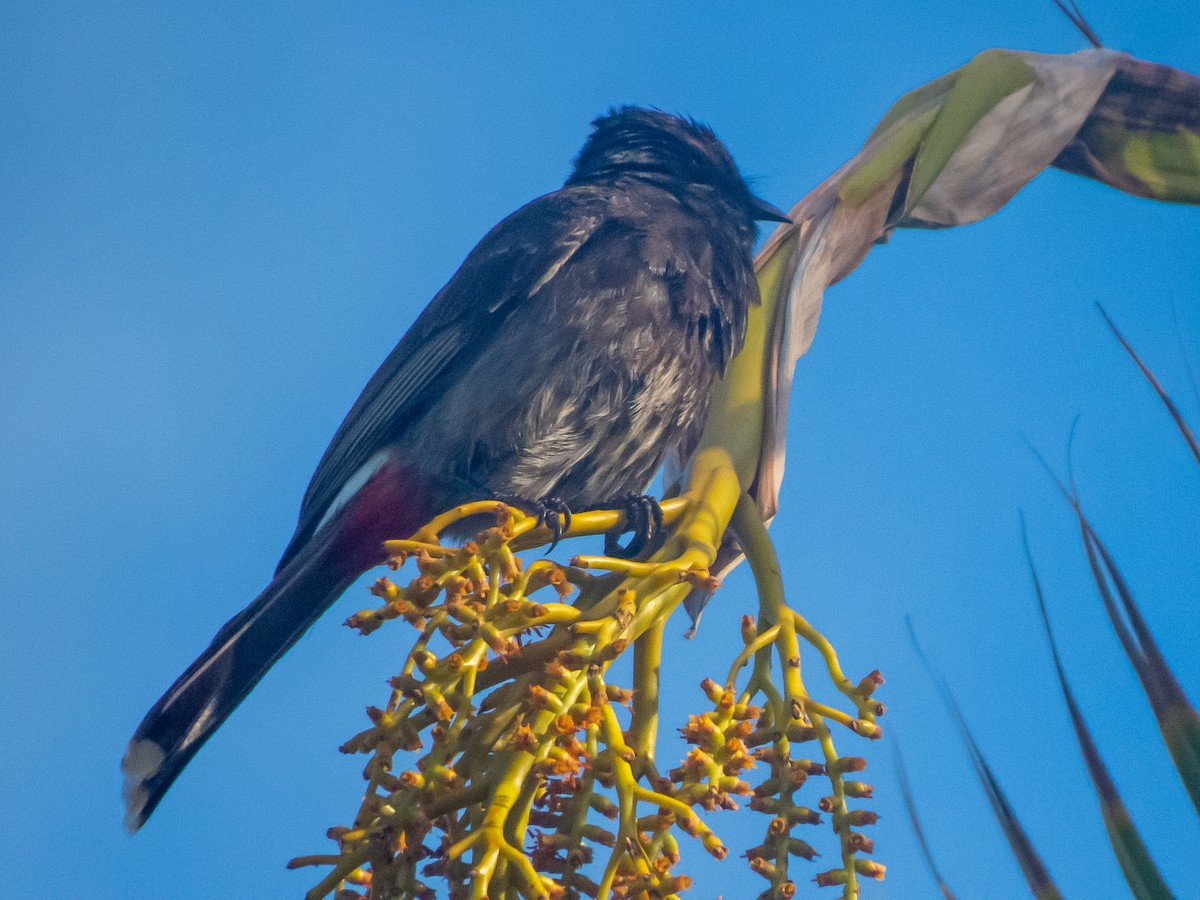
x=538, y=777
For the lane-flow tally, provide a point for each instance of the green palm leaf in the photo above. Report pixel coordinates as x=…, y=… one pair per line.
x=1143, y=875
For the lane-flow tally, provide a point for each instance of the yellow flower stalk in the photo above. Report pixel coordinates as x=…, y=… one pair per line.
x=532, y=784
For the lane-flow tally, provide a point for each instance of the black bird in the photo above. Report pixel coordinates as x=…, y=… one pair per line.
x=574, y=346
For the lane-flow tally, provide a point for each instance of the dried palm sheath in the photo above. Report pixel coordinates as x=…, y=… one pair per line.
x=950, y=153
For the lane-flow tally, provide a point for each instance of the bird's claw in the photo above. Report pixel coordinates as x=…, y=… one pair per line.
x=555, y=515
x=644, y=517
x=552, y=512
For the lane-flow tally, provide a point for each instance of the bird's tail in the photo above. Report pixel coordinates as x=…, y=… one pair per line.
x=238, y=657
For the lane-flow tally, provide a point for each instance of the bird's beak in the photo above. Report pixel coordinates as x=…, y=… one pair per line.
x=765, y=212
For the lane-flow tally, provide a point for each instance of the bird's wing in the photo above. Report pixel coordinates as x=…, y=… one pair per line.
x=514, y=261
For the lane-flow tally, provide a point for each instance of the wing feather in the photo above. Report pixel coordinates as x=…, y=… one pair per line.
x=514, y=261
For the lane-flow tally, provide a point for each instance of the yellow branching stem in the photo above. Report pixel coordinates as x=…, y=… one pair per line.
x=533, y=782
x=505, y=764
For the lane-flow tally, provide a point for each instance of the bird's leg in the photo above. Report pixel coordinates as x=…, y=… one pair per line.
x=644, y=517
x=552, y=512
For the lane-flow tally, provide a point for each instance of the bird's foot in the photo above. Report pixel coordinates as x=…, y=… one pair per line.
x=644, y=517
x=549, y=511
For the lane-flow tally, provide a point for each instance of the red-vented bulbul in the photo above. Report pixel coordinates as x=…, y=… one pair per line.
x=574, y=346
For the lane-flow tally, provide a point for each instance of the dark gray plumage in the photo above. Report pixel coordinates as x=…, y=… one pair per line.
x=576, y=344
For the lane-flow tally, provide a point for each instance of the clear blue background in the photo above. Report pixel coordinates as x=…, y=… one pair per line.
x=215, y=221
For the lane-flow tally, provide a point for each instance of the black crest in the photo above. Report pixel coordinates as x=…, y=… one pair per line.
x=658, y=147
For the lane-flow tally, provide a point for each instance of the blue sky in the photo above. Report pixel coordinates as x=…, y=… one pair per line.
x=219, y=218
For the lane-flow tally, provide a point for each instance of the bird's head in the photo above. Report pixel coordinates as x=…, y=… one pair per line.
x=674, y=153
